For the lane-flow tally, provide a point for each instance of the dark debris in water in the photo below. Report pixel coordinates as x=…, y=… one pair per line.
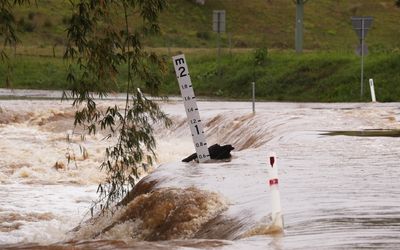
x=366, y=133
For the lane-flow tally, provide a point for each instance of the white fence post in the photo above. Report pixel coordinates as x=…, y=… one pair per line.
x=372, y=87
x=276, y=210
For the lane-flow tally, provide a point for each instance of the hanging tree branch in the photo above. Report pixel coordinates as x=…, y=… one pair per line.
x=98, y=46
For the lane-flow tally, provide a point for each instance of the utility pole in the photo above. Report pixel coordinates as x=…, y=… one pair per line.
x=299, y=25
x=361, y=26
x=219, y=27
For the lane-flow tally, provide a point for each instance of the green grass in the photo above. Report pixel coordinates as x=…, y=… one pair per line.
x=35, y=73
x=327, y=71
x=254, y=23
x=328, y=77
x=283, y=76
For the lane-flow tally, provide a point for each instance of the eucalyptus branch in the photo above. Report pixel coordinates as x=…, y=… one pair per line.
x=97, y=48
x=127, y=46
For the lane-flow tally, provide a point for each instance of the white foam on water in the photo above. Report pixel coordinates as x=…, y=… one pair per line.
x=45, y=212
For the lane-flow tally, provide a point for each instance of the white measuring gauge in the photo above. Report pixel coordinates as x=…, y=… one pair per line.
x=192, y=112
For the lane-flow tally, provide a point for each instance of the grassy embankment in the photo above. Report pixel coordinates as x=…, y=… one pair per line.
x=282, y=76
x=251, y=24
x=329, y=73
x=327, y=77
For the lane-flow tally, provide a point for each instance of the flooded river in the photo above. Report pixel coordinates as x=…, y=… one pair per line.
x=339, y=184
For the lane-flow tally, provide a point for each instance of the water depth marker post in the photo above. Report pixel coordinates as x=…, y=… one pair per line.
x=192, y=112
x=276, y=210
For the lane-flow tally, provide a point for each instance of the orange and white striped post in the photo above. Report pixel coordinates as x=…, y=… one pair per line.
x=276, y=210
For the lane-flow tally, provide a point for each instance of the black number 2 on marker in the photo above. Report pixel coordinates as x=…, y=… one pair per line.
x=182, y=71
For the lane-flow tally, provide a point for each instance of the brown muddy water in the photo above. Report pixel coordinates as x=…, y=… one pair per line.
x=367, y=133
x=337, y=192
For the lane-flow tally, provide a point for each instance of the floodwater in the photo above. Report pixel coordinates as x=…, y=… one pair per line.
x=337, y=192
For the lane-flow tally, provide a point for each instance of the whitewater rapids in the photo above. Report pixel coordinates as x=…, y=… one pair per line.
x=338, y=192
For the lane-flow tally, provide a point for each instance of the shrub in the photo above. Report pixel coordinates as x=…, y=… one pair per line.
x=31, y=15
x=47, y=23
x=28, y=26
x=21, y=22
x=65, y=20
x=260, y=56
x=203, y=35
x=241, y=44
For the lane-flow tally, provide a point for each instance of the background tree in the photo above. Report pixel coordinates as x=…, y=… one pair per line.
x=98, y=46
x=8, y=32
x=398, y=3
